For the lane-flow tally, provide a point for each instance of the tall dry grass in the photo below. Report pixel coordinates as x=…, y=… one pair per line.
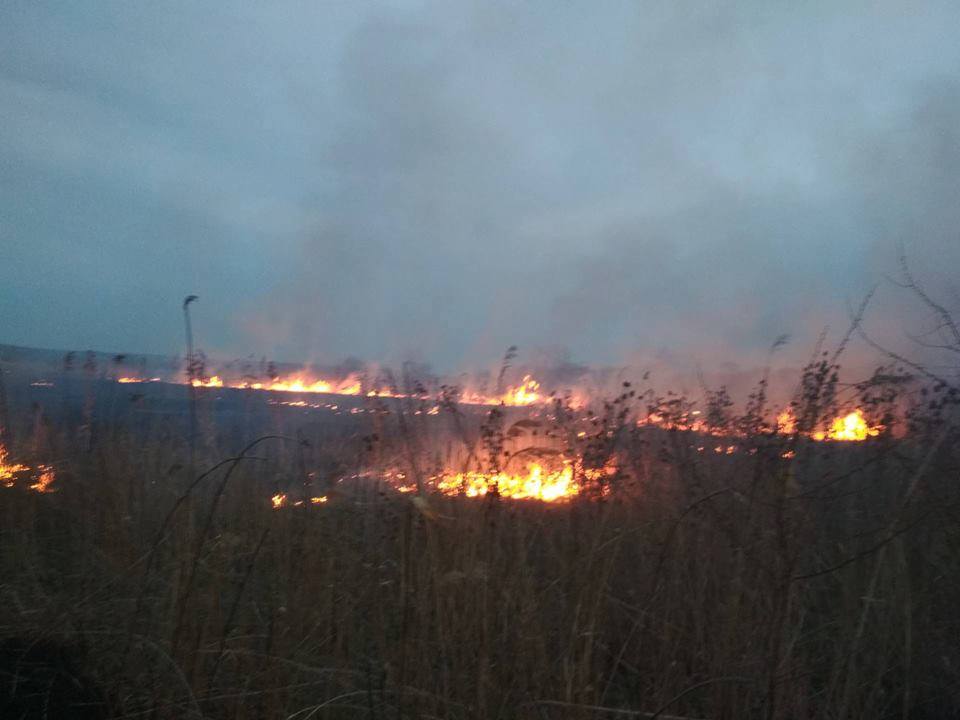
x=698, y=585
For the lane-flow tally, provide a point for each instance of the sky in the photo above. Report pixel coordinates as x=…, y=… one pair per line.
x=438, y=180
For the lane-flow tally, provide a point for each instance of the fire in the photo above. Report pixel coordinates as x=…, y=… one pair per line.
x=212, y=382
x=43, y=479
x=526, y=393
x=280, y=500
x=786, y=423
x=536, y=483
x=852, y=427
x=348, y=386
x=9, y=470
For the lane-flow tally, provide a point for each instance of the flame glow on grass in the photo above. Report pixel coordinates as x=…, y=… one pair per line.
x=43, y=476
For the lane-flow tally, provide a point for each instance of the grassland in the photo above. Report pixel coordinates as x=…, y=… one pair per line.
x=788, y=579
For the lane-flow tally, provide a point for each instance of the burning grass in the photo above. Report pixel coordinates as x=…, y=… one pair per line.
x=39, y=478
x=638, y=554
x=528, y=392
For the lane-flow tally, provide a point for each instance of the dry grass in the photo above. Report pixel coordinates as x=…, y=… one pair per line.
x=704, y=585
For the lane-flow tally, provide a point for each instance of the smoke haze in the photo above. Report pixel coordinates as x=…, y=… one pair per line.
x=437, y=181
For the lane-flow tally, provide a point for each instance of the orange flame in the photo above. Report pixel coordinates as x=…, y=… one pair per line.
x=8, y=470
x=212, y=382
x=526, y=393
x=786, y=423
x=348, y=386
x=42, y=480
x=852, y=427
x=536, y=483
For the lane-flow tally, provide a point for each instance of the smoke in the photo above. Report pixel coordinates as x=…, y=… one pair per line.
x=436, y=181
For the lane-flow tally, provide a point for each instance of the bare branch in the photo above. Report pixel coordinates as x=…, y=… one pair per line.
x=909, y=283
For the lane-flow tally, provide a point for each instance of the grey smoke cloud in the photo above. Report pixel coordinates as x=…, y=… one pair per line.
x=438, y=180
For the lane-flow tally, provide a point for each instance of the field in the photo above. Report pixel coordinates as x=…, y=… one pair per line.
x=213, y=553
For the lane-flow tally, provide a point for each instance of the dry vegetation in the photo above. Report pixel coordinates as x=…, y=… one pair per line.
x=791, y=579
x=704, y=585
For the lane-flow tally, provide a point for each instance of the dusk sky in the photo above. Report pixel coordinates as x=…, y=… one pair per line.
x=439, y=180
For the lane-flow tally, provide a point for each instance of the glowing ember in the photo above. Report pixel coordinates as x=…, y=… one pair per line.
x=319, y=500
x=279, y=500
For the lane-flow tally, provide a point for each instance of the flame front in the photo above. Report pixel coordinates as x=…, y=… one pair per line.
x=536, y=484
x=348, y=386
